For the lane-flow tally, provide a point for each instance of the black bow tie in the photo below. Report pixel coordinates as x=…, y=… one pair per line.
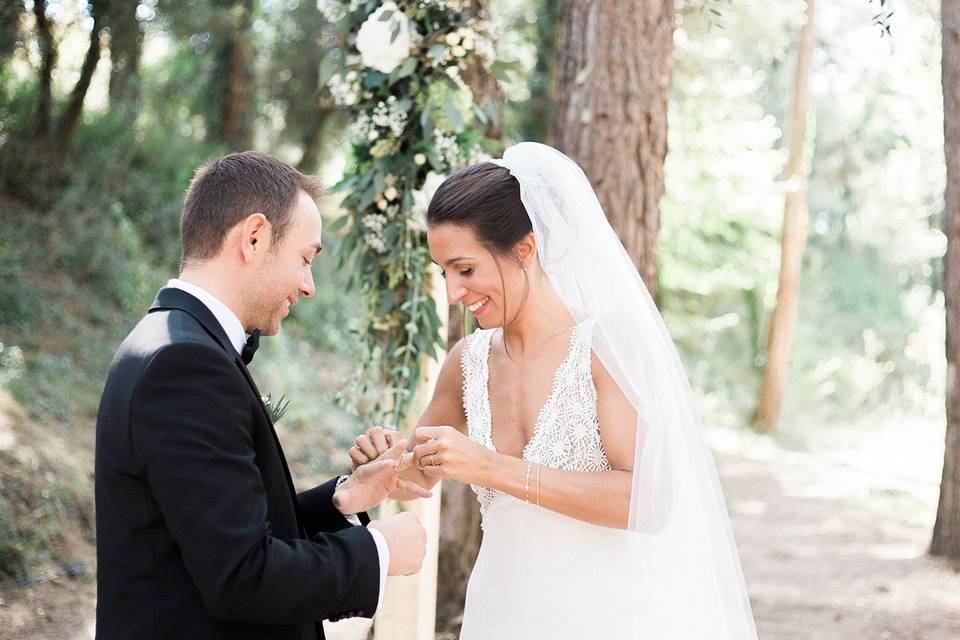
x=250, y=348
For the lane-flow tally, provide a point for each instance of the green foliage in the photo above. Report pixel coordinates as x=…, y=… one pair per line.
x=413, y=115
x=37, y=507
x=867, y=336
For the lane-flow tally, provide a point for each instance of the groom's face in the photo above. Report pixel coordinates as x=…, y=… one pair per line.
x=285, y=275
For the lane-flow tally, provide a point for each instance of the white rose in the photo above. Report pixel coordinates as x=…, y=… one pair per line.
x=373, y=39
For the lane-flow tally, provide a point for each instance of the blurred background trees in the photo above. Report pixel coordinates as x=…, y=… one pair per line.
x=107, y=107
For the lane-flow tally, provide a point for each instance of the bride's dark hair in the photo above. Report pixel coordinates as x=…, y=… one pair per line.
x=485, y=198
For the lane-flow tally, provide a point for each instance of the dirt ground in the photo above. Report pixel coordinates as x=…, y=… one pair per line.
x=833, y=543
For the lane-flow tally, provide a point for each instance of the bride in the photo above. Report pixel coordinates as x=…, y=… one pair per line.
x=570, y=415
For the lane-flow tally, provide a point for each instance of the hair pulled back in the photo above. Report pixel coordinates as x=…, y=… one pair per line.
x=486, y=198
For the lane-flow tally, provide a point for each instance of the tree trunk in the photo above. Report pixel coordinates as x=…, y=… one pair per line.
x=784, y=314
x=613, y=79
x=48, y=60
x=322, y=107
x=539, y=111
x=236, y=66
x=126, y=45
x=9, y=28
x=946, y=530
x=71, y=115
x=313, y=139
x=486, y=90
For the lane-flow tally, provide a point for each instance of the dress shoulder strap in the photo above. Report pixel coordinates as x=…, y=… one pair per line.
x=474, y=364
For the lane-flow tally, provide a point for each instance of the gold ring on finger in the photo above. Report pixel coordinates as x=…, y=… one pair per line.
x=433, y=460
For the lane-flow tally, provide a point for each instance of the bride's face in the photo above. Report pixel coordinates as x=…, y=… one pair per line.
x=492, y=287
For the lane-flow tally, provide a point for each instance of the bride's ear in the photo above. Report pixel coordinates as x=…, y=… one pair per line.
x=526, y=249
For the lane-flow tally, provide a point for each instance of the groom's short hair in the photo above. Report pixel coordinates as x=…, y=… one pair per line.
x=233, y=187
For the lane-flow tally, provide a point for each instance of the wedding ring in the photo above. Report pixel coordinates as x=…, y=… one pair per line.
x=433, y=460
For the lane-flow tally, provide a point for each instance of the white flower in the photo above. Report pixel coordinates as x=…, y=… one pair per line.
x=344, y=89
x=373, y=39
x=390, y=115
x=421, y=200
x=332, y=10
x=448, y=149
x=390, y=193
x=420, y=159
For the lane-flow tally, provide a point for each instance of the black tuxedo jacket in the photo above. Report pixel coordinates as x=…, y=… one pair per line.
x=199, y=531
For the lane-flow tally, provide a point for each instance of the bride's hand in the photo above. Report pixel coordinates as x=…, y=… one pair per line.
x=444, y=452
x=371, y=445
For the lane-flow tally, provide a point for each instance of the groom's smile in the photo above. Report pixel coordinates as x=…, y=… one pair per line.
x=287, y=275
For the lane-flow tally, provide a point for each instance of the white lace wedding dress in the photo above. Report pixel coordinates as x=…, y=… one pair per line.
x=541, y=574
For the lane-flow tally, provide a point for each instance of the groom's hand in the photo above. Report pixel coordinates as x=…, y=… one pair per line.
x=406, y=540
x=371, y=483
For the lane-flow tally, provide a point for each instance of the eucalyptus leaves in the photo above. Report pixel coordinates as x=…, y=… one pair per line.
x=414, y=122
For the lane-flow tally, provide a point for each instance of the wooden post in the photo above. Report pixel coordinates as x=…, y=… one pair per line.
x=410, y=603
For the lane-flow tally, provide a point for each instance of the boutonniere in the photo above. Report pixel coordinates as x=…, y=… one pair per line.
x=275, y=409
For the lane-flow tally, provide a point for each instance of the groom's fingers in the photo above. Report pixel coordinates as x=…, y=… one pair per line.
x=406, y=461
x=414, y=488
x=394, y=452
x=376, y=471
x=363, y=443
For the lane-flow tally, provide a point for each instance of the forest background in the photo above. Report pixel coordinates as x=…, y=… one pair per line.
x=96, y=151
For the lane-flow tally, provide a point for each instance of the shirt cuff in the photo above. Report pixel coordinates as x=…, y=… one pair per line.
x=384, y=552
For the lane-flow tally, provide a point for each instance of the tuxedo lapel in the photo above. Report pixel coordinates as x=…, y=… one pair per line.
x=170, y=298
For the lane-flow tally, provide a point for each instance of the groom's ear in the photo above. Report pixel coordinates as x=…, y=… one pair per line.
x=255, y=235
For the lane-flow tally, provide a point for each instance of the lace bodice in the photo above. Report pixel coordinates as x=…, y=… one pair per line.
x=567, y=433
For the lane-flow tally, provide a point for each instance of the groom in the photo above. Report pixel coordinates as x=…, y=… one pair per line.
x=199, y=531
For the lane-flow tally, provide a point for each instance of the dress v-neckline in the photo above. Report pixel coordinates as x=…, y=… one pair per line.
x=551, y=396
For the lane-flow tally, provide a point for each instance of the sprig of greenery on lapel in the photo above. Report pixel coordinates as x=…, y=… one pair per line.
x=275, y=409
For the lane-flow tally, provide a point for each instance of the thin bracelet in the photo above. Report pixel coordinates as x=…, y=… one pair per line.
x=538, y=484
x=526, y=485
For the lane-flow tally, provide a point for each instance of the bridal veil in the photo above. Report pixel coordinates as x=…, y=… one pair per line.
x=685, y=576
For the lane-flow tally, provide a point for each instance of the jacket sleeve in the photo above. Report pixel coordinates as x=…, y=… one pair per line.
x=191, y=430
x=318, y=513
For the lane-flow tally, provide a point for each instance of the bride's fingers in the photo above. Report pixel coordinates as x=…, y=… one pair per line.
x=422, y=453
x=414, y=488
x=391, y=436
x=435, y=471
x=378, y=439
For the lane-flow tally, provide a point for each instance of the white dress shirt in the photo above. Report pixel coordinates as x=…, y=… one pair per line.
x=235, y=332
